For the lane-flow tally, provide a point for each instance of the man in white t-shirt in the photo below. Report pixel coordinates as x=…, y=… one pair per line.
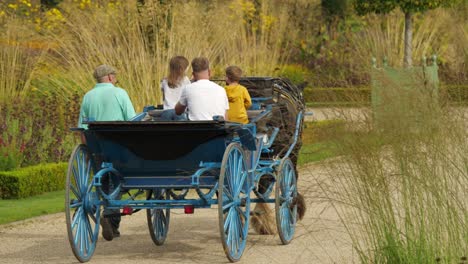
x=203, y=98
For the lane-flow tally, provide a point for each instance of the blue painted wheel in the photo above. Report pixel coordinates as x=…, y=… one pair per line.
x=234, y=202
x=82, y=208
x=158, y=219
x=285, y=197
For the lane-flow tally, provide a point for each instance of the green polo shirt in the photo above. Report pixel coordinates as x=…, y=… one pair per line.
x=105, y=102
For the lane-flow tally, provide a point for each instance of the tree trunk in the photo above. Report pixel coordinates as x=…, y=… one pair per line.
x=408, y=40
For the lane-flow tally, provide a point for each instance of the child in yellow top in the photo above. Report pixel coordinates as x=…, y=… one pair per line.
x=238, y=96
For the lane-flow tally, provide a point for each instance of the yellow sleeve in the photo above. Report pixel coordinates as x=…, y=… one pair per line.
x=247, y=99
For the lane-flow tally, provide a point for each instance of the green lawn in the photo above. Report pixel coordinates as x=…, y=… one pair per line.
x=47, y=203
x=316, y=152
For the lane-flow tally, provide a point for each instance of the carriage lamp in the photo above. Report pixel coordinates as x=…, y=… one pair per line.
x=189, y=209
x=127, y=210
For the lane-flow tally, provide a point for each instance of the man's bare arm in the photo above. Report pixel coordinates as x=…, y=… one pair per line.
x=179, y=108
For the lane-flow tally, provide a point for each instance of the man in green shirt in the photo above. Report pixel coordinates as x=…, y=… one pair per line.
x=106, y=102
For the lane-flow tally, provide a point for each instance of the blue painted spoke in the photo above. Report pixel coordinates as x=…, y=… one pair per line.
x=227, y=221
x=228, y=206
x=227, y=193
x=89, y=228
x=293, y=189
x=93, y=217
x=80, y=167
x=76, y=217
x=234, y=164
x=241, y=183
x=284, y=220
x=239, y=211
x=228, y=227
x=233, y=231
x=88, y=169
x=78, y=230
x=75, y=205
x=75, y=192
x=239, y=169
x=76, y=178
x=239, y=220
x=287, y=178
x=236, y=233
x=231, y=177
x=82, y=236
x=89, y=236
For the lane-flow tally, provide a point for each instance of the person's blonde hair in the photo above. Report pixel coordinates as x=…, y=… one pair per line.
x=234, y=73
x=177, y=67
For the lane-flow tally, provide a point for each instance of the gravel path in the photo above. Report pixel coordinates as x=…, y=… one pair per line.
x=320, y=238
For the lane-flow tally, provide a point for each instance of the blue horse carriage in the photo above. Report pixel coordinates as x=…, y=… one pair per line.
x=166, y=165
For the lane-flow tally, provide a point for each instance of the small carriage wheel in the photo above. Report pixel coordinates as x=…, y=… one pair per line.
x=285, y=201
x=82, y=208
x=178, y=194
x=234, y=202
x=158, y=219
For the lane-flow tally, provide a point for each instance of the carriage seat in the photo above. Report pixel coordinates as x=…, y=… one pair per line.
x=253, y=113
x=153, y=115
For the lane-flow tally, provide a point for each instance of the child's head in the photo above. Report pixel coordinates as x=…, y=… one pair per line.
x=177, y=67
x=233, y=74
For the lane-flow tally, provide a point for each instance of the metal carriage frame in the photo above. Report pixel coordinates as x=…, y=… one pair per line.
x=228, y=182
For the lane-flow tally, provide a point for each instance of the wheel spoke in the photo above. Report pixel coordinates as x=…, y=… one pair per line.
x=75, y=192
x=227, y=220
x=227, y=193
x=75, y=205
x=242, y=177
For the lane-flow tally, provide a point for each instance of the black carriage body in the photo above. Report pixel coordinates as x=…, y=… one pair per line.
x=155, y=154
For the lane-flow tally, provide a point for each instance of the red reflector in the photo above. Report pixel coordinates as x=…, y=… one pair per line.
x=127, y=210
x=189, y=209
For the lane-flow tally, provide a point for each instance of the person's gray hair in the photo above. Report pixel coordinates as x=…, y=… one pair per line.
x=102, y=71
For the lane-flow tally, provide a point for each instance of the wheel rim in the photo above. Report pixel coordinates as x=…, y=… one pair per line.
x=81, y=205
x=158, y=219
x=234, y=202
x=286, y=208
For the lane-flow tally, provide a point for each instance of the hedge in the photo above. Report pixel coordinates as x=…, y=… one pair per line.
x=457, y=94
x=32, y=180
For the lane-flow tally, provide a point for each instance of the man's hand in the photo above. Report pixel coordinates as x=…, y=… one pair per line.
x=179, y=108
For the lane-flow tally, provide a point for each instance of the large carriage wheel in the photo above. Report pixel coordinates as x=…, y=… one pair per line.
x=158, y=219
x=234, y=202
x=285, y=201
x=81, y=205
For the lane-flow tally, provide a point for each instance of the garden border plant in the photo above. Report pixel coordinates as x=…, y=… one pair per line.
x=32, y=180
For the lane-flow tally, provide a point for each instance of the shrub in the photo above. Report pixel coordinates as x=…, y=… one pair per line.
x=35, y=129
x=33, y=180
x=457, y=94
x=297, y=74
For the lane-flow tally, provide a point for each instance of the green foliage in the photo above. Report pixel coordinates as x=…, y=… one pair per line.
x=335, y=8
x=36, y=129
x=319, y=140
x=297, y=74
x=12, y=146
x=33, y=180
x=452, y=94
x=385, y=6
